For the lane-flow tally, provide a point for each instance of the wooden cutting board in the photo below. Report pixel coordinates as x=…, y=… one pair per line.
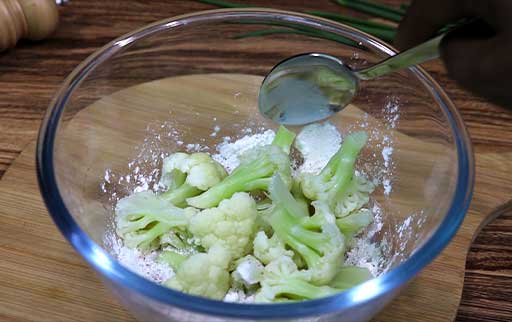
x=44, y=279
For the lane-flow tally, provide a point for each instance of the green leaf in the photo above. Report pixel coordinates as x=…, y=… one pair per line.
x=225, y=4
x=267, y=32
x=350, y=20
x=370, y=8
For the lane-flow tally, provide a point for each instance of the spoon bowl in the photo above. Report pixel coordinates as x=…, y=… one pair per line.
x=306, y=88
x=311, y=87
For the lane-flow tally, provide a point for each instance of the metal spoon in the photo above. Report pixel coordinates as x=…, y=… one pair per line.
x=311, y=87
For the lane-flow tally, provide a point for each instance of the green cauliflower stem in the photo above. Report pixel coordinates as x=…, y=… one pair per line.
x=172, y=258
x=282, y=198
x=349, y=225
x=232, y=224
x=257, y=166
x=181, y=240
x=284, y=139
x=262, y=223
x=269, y=249
x=187, y=175
x=143, y=217
x=322, y=247
x=299, y=196
x=352, y=224
x=335, y=179
x=203, y=274
x=283, y=281
x=350, y=276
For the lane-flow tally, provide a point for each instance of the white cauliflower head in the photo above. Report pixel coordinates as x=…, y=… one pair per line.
x=230, y=225
x=269, y=249
x=356, y=196
x=201, y=170
x=204, y=274
x=143, y=217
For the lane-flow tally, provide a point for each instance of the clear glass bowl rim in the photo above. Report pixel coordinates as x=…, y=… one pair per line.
x=109, y=268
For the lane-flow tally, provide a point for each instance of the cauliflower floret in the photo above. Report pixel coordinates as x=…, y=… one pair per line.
x=257, y=166
x=143, y=217
x=203, y=274
x=282, y=281
x=187, y=175
x=317, y=239
x=336, y=184
x=230, y=225
x=269, y=249
x=356, y=196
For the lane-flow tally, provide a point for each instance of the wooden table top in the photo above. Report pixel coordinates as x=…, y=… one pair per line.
x=32, y=72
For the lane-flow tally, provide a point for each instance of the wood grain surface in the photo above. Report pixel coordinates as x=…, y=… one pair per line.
x=30, y=75
x=90, y=142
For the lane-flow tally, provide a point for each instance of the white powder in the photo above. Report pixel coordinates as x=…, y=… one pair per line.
x=387, y=169
x=317, y=143
x=387, y=151
x=238, y=296
x=215, y=131
x=366, y=255
x=229, y=152
x=364, y=252
x=388, y=187
x=143, y=169
x=196, y=147
x=144, y=264
x=391, y=112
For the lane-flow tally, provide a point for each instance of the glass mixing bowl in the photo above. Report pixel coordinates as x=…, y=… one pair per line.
x=167, y=85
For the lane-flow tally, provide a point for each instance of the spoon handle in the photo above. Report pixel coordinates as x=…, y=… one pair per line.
x=426, y=51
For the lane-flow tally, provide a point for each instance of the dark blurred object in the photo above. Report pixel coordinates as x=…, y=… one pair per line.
x=29, y=19
x=476, y=56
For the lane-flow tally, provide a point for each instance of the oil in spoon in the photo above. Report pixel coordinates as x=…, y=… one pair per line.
x=305, y=89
